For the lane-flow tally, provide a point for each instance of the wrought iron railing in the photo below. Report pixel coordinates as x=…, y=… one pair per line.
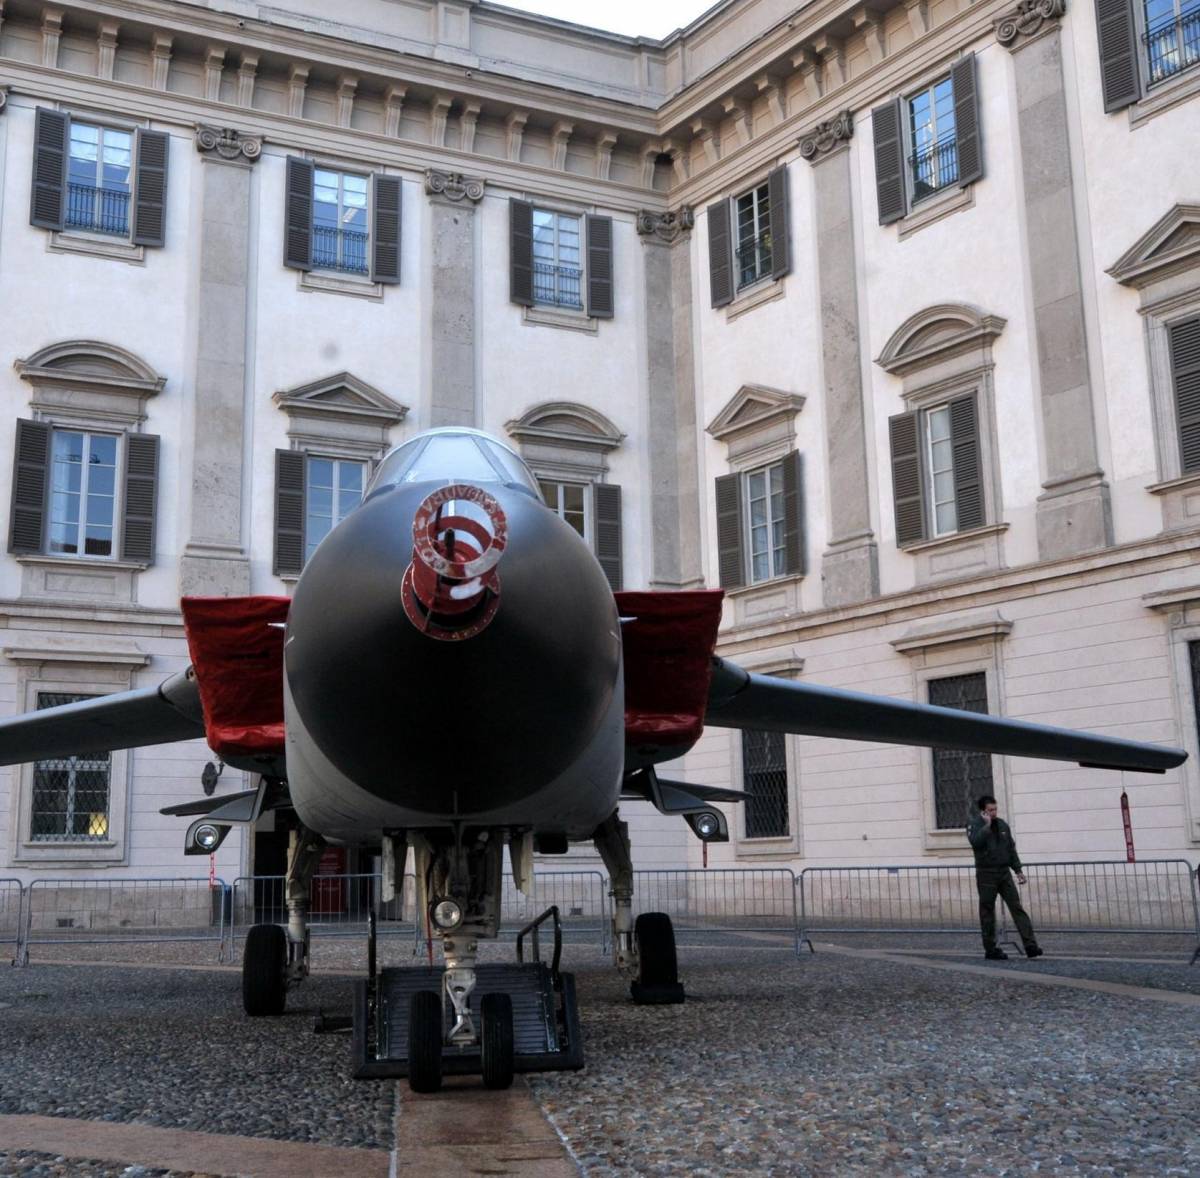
x=934, y=167
x=102, y=210
x=340, y=249
x=754, y=259
x=557, y=285
x=1172, y=45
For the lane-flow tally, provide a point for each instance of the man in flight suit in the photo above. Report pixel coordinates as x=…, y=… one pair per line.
x=995, y=853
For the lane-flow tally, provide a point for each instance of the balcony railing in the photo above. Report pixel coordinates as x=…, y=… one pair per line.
x=340, y=249
x=102, y=210
x=934, y=167
x=557, y=285
x=1172, y=45
x=754, y=259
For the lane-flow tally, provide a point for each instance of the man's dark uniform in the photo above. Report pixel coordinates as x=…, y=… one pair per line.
x=995, y=854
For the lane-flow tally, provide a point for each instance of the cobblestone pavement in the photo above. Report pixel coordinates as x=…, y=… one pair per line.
x=825, y=1065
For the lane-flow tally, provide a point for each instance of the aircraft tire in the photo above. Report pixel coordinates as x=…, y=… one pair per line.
x=656, y=950
x=425, y=1041
x=496, y=1017
x=264, y=971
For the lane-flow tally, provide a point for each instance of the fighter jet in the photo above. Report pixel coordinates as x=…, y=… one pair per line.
x=454, y=675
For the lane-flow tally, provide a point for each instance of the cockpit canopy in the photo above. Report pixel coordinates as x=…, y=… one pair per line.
x=453, y=454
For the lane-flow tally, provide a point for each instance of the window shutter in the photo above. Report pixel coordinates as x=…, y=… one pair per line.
x=1118, y=53
x=720, y=255
x=599, y=268
x=906, y=478
x=31, y=464
x=793, y=514
x=385, y=231
x=777, y=203
x=889, y=161
x=964, y=446
x=49, y=169
x=289, y=512
x=966, y=121
x=298, y=215
x=731, y=562
x=607, y=501
x=150, y=193
x=141, y=481
x=1185, y=368
x=520, y=252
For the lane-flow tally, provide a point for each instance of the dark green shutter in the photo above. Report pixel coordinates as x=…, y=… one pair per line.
x=966, y=121
x=298, y=215
x=141, y=482
x=385, y=231
x=31, y=464
x=1185, y=369
x=1117, y=31
x=889, y=162
x=793, y=514
x=606, y=499
x=520, y=252
x=964, y=447
x=720, y=254
x=289, y=512
x=731, y=561
x=906, y=478
x=599, y=267
x=150, y=192
x=777, y=203
x=48, y=199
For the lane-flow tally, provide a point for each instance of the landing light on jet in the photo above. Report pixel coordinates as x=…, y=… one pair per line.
x=707, y=825
x=208, y=837
x=447, y=915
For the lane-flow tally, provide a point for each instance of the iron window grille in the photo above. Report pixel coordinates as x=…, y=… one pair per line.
x=83, y=493
x=100, y=162
x=70, y=794
x=753, y=211
x=557, y=260
x=570, y=501
x=764, y=776
x=340, y=237
x=765, y=523
x=334, y=489
x=959, y=777
x=933, y=164
x=1172, y=37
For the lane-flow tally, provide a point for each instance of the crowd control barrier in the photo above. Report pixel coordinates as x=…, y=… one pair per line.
x=12, y=912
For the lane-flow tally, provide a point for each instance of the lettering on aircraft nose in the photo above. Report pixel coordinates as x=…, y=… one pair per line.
x=451, y=588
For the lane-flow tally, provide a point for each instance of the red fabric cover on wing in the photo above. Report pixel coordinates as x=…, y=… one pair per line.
x=238, y=657
x=668, y=652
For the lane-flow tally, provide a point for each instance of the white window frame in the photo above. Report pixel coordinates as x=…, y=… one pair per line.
x=335, y=517
x=118, y=493
x=559, y=507
x=342, y=175
x=773, y=573
x=1142, y=32
x=557, y=303
x=910, y=145
x=760, y=218
x=102, y=129
x=931, y=471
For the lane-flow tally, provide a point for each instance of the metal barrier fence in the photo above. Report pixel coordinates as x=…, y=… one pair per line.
x=726, y=900
x=581, y=897
x=113, y=911
x=12, y=911
x=1155, y=896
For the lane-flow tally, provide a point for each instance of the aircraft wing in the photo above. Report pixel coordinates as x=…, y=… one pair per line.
x=740, y=699
x=125, y=720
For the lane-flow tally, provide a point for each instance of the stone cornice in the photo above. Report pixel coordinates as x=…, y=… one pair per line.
x=453, y=186
x=1028, y=20
x=827, y=137
x=991, y=626
x=228, y=145
x=668, y=227
x=1170, y=246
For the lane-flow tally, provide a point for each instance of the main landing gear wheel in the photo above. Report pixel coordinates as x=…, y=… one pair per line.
x=496, y=1015
x=658, y=975
x=264, y=970
x=425, y=1042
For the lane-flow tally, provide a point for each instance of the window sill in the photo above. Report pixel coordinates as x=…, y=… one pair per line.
x=763, y=291
x=961, y=554
x=934, y=208
x=766, y=601
x=51, y=854
x=1165, y=96
x=82, y=562
x=95, y=245
x=951, y=843
x=552, y=317
x=954, y=539
x=776, y=846
x=344, y=284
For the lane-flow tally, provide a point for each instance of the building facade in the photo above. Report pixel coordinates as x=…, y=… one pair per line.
x=885, y=318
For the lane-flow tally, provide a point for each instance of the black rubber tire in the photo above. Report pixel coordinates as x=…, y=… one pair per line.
x=496, y=1019
x=425, y=1041
x=264, y=971
x=657, y=963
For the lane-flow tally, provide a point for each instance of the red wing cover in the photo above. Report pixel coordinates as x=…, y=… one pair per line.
x=668, y=641
x=238, y=657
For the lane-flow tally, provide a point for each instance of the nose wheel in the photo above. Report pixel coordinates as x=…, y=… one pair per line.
x=496, y=1015
x=425, y=1042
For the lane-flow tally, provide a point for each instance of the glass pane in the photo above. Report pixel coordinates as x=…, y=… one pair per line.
x=101, y=479
x=758, y=512
x=939, y=424
x=758, y=568
x=943, y=486
x=350, y=476
x=573, y=497
x=102, y=450
x=320, y=501
x=549, y=492
x=347, y=501
x=320, y=472
x=946, y=518
x=98, y=541
x=99, y=511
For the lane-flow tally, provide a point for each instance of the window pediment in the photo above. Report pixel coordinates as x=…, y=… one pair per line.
x=114, y=382
x=341, y=397
x=754, y=408
x=566, y=424
x=1169, y=246
x=937, y=334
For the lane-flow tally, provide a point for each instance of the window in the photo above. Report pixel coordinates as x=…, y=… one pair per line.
x=748, y=238
x=1185, y=374
x=333, y=489
x=760, y=523
x=70, y=799
x=765, y=779
x=571, y=502
x=1172, y=37
x=958, y=776
x=765, y=522
x=927, y=142
x=753, y=218
x=99, y=179
x=83, y=491
x=1144, y=44
x=557, y=266
x=344, y=223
